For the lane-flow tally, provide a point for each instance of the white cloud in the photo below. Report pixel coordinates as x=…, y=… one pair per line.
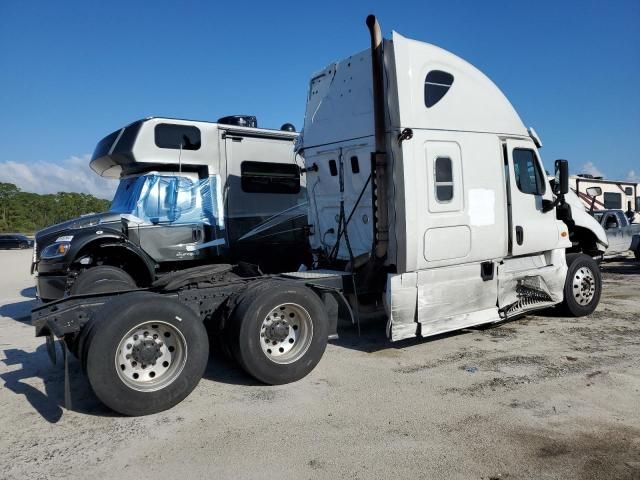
x=591, y=169
x=70, y=175
x=632, y=176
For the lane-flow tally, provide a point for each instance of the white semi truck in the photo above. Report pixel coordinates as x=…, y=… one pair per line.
x=428, y=204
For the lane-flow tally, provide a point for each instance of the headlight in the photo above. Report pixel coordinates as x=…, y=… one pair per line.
x=56, y=250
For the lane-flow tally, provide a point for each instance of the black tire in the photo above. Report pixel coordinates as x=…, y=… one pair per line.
x=637, y=254
x=582, y=284
x=245, y=331
x=112, y=325
x=102, y=279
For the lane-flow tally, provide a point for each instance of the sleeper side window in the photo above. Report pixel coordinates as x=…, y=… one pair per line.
x=266, y=177
x=443, y=179
x=168, y=135
x=529, y=177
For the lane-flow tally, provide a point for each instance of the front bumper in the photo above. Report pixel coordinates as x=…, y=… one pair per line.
x=51, y=287
x=51, y=280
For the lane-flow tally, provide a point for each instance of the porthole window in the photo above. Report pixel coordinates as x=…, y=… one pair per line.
x=443, y=179
x=436, y=85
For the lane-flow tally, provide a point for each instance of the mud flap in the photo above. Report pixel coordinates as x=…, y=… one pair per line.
x=67, y=383
x=401, y=304
x=50, y=342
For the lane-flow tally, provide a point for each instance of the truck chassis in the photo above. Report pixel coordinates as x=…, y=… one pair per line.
x=211, y=301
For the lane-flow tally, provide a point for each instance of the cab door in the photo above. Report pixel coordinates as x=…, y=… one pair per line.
x=531, y=229
x=174, y=228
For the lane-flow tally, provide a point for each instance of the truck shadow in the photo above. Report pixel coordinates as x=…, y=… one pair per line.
x=49, y=404
x=224, y=370
x=631, y=267
x=20, y=311
x=372, y=338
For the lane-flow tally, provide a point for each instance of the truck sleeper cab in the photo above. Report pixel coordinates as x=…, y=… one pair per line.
x=189, y=193
x=428, y=204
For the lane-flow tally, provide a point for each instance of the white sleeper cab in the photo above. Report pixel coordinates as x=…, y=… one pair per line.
x=473, y=234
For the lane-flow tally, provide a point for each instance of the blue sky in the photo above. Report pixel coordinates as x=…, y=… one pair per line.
x=73, y=71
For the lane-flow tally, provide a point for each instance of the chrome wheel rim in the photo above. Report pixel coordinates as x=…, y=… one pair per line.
x=286, y=333
x=584, y=286
x=151, y=356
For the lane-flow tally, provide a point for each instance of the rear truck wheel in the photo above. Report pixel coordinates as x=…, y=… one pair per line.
x=582, y=287
x=278, y=332
x=145, y=353
x=102, y=279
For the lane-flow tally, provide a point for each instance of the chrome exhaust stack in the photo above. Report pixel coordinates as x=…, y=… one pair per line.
x=379, y=157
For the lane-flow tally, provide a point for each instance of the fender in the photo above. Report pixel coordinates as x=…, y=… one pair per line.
x=78, y=238
x=137, y=251
x=582, y=219
x=103, y=238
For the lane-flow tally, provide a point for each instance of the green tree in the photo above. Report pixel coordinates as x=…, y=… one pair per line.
x=28, y=212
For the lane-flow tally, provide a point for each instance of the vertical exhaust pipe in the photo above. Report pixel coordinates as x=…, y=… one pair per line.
x=379, y=157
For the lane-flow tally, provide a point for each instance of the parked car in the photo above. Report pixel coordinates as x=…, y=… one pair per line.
x=622, y=235
x=13, y=240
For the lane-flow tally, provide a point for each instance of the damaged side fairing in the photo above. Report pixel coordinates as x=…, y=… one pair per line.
x=428, y=302
x=528, y=283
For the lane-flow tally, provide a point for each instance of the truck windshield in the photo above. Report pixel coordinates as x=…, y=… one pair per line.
x=164, y=198
x=127, y=195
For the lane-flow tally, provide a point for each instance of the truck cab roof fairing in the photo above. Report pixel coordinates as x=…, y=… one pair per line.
x=471, y=101
x=460, y=97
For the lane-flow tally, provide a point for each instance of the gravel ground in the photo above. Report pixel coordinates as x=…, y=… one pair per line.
x=540, y=397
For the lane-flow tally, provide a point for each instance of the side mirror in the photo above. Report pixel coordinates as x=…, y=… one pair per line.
x=594, y=191
x=562, y=177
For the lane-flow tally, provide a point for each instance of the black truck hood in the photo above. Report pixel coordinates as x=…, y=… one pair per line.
x=45, y=235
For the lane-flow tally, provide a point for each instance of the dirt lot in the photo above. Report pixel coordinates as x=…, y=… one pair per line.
x=540, y=397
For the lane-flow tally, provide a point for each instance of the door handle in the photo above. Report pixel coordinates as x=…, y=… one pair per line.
x=519, y=235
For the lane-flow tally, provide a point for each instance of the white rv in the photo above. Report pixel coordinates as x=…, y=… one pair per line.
x=613, y=194
x=428, y=203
